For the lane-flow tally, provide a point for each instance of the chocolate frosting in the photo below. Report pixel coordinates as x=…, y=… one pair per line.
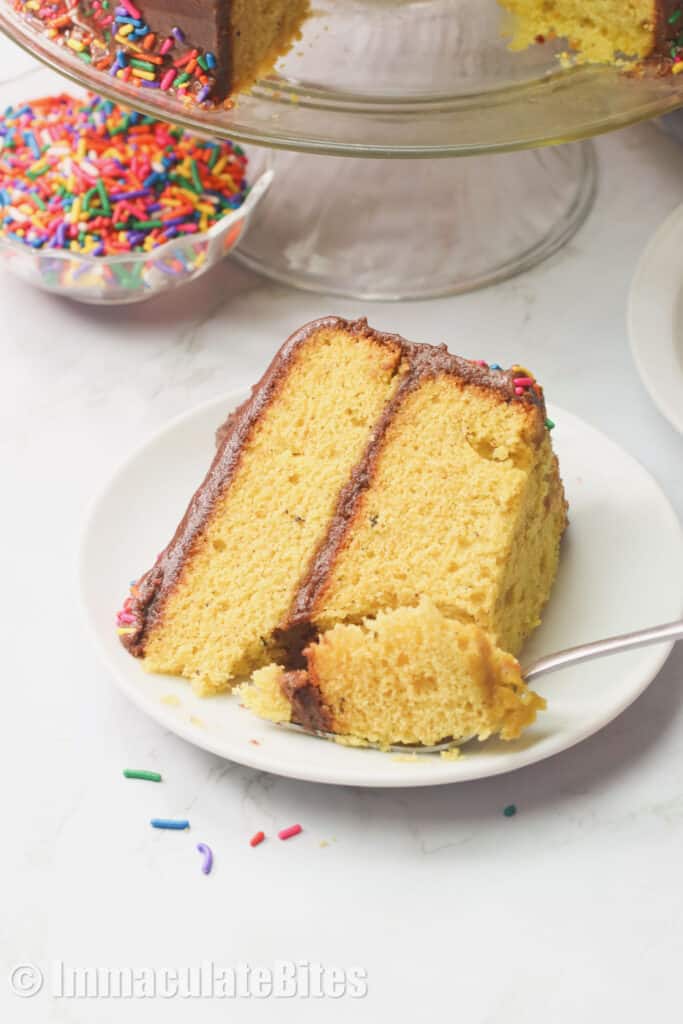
x=308, y=709
x=418, y=362
x=665, y=30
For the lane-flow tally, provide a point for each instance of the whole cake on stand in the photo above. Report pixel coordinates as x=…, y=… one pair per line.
x=375, y=80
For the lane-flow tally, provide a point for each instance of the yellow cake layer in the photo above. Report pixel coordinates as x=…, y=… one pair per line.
x=465, y=506
x=237, y=585
x=410, y=675
x=600, y=30
x=262, y=32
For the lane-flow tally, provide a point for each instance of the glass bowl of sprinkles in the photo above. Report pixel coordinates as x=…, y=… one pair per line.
x=108, y=206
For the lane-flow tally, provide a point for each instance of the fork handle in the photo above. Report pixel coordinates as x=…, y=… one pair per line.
x=672, y=631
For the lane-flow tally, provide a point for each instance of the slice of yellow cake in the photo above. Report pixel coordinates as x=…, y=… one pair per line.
x=407, y=676
x=601, y=30
x=364, y=473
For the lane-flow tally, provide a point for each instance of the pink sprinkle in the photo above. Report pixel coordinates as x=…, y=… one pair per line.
x=523, y=382
x=519, y=391
x=126, y=618
x=167, y=80
x=287, y=833
x=166, y=46
x=131, y=8
x=481, y=362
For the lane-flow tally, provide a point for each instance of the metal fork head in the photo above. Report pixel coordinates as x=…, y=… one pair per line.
x=393, y=748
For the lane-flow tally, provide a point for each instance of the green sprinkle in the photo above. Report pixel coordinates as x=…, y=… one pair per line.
x=104, y=198
x=195, y=176
x=183, y=182
x=675, y=16
x=181, y=79
x=140, y=224
x=201, y=60
x=37, y=200
x=134, y=773
x=36, y=174
x=144, y=65
x=550, y=424
x=510, y=811
x=87, y=197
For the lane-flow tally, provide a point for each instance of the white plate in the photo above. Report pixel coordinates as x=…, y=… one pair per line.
x=621, y=569
x=655, y=318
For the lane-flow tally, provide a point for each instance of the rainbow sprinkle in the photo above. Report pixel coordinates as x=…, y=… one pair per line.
x=115, y=39
x=287, y=833
x=93, y=178
x=136, y=773
x=523, y=383
x=207, y=857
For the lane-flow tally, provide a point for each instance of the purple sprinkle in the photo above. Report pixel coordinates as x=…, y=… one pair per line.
x=176, y=220
x=118, y=196
x=80, y=271
x=203, y=93
x=178, y=34
x=207, y=863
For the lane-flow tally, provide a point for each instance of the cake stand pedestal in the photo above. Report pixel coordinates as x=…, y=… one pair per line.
x=373, y=81
x=411, y=229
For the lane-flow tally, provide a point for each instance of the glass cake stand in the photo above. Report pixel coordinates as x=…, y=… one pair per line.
x=376, y=80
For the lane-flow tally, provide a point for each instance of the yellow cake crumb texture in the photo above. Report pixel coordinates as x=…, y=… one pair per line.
x=600, y=30
x=410, y=675
x=237, y=587
x=262, y=32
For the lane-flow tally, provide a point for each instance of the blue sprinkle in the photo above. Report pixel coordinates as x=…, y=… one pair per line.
x=495, y=366
x=210, y=60
x=32, y=142
x=169, y=823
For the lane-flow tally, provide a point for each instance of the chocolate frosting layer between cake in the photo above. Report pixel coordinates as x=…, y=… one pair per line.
x=308, y=709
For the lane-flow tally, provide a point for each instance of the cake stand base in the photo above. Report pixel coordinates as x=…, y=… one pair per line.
x=412, y=229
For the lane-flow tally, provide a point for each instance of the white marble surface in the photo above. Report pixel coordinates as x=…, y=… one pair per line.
x=571, y=910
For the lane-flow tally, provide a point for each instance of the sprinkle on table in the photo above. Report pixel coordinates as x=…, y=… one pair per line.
x=89, y=177
x=177, y=824
x=257, y=839
x=207, y=857
x=510, y=811
x=135, y=773
x=287, y=833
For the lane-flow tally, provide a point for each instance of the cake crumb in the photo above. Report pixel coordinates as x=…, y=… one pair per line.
x=324, y=842
x=197, y=721
x=450, y=755
x=171, y=700
x=410, y=759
